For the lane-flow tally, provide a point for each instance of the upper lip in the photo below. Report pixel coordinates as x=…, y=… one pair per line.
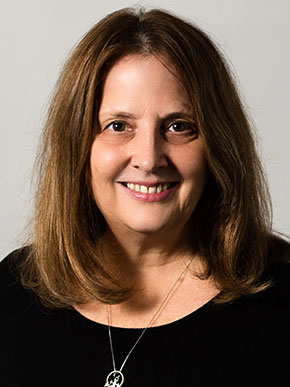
x=149, y=183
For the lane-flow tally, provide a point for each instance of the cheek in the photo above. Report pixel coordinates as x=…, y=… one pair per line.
x=195, y=174
x=194, y=167
x=105, y=163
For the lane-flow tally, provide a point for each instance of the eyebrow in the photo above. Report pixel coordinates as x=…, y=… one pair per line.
x=179, y=114
x=117, y=114
x=122, y=114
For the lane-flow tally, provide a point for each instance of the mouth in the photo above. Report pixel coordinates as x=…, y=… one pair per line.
x=152, y=189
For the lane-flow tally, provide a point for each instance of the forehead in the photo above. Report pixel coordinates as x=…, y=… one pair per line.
x=139, y=80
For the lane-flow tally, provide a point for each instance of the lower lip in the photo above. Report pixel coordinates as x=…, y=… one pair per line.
x=153, y=197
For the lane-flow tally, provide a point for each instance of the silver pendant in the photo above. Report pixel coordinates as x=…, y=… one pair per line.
x=114, y=379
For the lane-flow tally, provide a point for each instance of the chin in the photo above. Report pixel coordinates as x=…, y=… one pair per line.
x=146, y=230
x=150, y=226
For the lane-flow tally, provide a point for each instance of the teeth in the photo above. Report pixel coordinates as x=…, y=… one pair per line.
x=143, y=189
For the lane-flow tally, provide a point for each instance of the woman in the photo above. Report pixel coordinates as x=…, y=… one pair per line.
x=152, y=260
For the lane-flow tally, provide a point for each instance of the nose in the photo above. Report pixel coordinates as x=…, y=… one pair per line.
x=149, y=151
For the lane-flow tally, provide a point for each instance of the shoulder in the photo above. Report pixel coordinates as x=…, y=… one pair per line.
x=10, y=267
x=278, y=271
x=279, y=274
x=13, y=297
x=278, y=249
x=269, y=309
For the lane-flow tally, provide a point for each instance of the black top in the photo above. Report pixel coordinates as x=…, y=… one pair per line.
x=245, y=343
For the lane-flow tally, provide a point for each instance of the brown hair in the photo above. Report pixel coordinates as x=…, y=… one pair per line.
x=64, y=267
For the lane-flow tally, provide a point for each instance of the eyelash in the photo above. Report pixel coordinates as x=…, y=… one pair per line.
x=113, y=123
x=189, y=126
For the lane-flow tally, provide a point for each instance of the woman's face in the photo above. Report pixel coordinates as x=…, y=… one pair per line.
x=148, y=163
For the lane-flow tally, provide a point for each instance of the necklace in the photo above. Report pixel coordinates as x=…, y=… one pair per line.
x=116, y=378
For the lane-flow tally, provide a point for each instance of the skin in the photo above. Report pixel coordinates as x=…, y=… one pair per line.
x=148, y=134
x=146, y=149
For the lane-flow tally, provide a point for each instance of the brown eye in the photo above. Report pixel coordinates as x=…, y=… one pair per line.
x=117, y=126
x=182, y=127
x=178, y=127
x=180, y=132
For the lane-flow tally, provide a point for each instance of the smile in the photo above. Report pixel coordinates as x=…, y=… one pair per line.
x=149, y=190
x=150, y=193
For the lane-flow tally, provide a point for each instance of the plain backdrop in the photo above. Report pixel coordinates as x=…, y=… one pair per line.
x=36, y=36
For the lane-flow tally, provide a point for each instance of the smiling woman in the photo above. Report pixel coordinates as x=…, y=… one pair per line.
x=152, y=261
x=146, y=166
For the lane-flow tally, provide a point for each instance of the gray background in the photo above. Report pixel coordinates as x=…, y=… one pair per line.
x=37, y=36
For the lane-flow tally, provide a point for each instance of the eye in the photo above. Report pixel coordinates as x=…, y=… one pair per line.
x=182, y=127
x=180, y=132
x=117, y=126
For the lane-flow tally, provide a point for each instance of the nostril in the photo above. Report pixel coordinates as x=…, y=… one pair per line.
x=148, y=158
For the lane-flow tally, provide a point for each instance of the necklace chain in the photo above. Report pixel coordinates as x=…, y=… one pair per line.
x=149, y=323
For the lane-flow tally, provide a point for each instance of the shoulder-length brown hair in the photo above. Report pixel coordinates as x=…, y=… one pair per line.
x=64, y=266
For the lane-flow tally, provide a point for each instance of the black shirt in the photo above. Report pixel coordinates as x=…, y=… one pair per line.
x=244, y=343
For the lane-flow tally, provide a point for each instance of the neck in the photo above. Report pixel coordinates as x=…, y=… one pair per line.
x=129, y=250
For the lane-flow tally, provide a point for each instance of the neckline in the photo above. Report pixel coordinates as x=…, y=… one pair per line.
x=207, y=306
